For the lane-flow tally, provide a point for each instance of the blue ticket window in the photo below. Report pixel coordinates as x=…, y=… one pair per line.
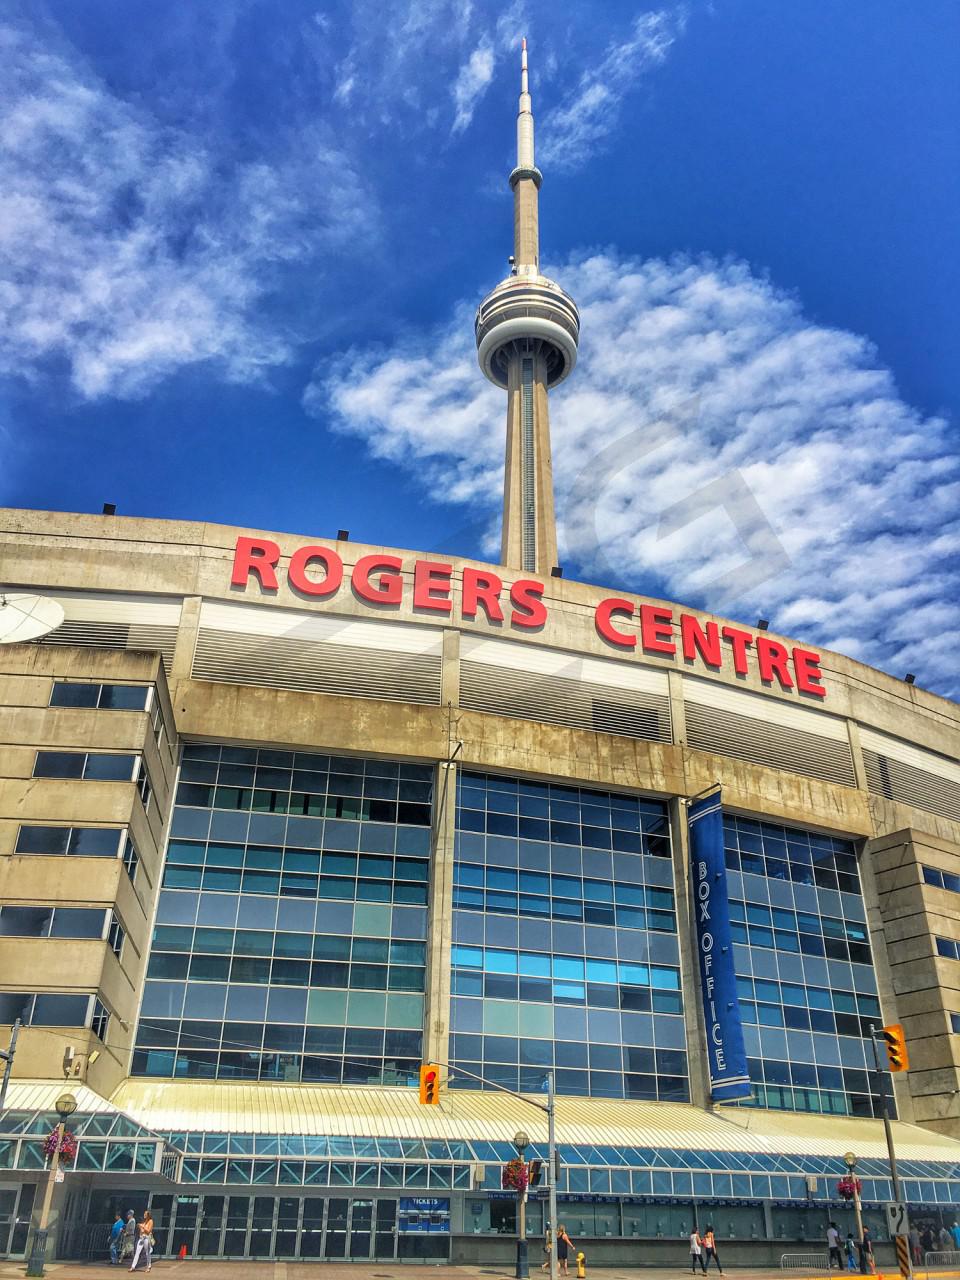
x=424, y=1227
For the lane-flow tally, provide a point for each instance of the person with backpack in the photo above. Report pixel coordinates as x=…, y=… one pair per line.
x=851, y=1249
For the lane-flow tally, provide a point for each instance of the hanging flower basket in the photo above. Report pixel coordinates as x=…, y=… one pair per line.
x=68, y=1146
x=514, y=1176
x=847, y=1188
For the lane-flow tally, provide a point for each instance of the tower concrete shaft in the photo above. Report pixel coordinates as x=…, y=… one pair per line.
x=527, y=335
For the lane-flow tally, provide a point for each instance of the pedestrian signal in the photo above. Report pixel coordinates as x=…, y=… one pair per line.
x=535, y=1172
x=429, y=1083
x=896, y=1046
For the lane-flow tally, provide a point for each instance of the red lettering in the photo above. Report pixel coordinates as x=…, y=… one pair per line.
x=740, y=641
x=332, y=571
x=806, y=664
x=255, y=555
x=529, y=611
x=388, y=587
x=656, y=629
x=480, y=588
x=431, y=586
x=605, y=611
x=772, y=661
x=698, y=640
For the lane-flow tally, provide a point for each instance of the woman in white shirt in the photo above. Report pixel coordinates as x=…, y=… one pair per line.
x=696, y=1252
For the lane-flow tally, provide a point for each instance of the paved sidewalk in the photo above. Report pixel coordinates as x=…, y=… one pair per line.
x=215, y=1269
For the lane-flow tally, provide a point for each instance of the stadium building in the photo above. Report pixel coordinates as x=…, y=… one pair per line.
x=283, y=817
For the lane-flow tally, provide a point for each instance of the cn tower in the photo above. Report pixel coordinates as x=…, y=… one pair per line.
x=527, y=333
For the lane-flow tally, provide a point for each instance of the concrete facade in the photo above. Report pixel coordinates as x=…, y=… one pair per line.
x=324, y=669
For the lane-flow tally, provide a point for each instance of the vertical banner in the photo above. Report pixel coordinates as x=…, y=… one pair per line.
x=721, y=1009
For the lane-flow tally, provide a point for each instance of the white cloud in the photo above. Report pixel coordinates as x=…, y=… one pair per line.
x=471, y=83
x=859, y=490
x=578, y=126
x=128, y=250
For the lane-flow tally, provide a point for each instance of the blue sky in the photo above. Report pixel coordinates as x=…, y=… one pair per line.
x=241, y=243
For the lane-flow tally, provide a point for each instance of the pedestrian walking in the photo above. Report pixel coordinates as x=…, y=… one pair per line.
x=710, y=1251
x=946, y=1240
x=564, y=1245
x=833, y=1245
x=547, y=1247
x=851, y=1249
x=913, y=1235
x=129, y=1236
x=145, y=1241
x=696, y=1252
x=926, y=1239
x=866, y=1251
x=116, y=1234
x=955, y=1232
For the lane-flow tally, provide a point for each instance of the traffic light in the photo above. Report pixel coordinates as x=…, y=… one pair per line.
x=429, y=1083
x=534, y=1172
x=896, y=1046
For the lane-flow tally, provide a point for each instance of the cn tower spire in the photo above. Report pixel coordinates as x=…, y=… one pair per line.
x=527, y=334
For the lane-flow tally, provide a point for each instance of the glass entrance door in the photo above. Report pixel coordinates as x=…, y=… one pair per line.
x=361, y=1223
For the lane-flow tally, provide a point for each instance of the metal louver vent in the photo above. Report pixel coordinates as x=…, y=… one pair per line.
x=529, y=683
x=317, y=653
x=911, y=775
x=112, y=621
x=748, y=726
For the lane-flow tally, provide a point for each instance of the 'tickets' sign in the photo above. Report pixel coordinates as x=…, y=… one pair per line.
x=378, y=579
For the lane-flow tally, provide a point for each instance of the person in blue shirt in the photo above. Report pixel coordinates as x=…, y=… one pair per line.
x=116, y=1231
x=955, y=1232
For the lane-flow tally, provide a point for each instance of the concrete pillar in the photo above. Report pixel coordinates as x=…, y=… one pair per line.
x=856, y=753
x=678, y=711
x=518, y=460
x=526, y=223
x=689, y=971
x=182, y=665
x=440, y=921
x=886, y=991
x=450, y=669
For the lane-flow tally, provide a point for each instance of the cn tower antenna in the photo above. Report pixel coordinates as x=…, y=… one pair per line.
x=527, y=333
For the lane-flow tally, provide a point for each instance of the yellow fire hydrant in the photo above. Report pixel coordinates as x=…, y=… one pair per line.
x=581, y=1266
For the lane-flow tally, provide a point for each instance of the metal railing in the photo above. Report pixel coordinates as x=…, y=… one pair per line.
x=805, y=1261
x=941, y=1258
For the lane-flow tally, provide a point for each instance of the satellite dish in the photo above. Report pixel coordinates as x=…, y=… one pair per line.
x=24, y=617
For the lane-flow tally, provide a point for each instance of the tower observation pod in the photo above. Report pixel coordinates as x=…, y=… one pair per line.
x=527, y=333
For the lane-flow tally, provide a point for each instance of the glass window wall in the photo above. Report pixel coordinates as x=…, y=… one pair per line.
x=565, y=952
x=805, y=976
x=290, y=941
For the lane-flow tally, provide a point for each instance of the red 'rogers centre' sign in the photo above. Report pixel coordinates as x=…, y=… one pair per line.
x=378, y=579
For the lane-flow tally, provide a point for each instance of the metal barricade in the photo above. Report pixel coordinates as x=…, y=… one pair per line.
x=805, y=1261
x=942, y=1258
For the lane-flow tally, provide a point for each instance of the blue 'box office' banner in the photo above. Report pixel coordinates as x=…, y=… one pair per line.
x=721, y=1009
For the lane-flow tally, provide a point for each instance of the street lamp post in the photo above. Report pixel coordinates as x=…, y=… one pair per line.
x=521, y=1141
x=65, y=1106
x=850, y=1160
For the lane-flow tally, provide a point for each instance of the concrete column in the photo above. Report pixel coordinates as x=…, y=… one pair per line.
x=450, y=669
x=856, y=753
x=545, y=546
x=678, y=711
x=768, y=1219
x=526, y=223
x=440, y=921
x=689, y=972
x=881, y=965
x=182, y=665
